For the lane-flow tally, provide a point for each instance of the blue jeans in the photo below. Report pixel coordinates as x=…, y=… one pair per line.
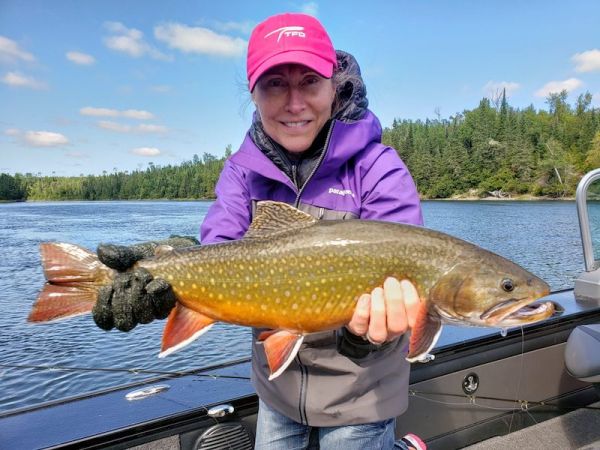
x=274, y=431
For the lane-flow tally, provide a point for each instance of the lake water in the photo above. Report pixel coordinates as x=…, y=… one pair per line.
x=541, y=236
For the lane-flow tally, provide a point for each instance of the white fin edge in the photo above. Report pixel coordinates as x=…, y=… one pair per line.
x=289, y=360
x=186, y=342
x=426, y=356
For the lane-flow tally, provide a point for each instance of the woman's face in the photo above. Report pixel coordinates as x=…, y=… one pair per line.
x=294, y=102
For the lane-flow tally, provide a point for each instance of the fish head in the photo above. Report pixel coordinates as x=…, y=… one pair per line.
x=491, y=292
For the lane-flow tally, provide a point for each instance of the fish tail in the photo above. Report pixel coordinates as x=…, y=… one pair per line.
x=74, y=275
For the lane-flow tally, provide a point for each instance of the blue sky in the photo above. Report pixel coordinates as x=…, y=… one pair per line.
x=90, y=86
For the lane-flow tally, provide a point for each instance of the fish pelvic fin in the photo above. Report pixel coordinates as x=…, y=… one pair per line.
x=183, y=327
x=281, y=348
x=424, y=335
x=74, y=277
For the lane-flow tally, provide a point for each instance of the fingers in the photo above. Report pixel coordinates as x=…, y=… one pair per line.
x=378, y=332
x=397, y=322
x=359, y=324
x=162, y=297
x=118, y=257
x=386, y=313
x=412, y=302
x=102, y=311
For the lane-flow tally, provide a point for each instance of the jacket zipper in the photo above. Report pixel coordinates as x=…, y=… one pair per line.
x=321, y=158
x=303, y=368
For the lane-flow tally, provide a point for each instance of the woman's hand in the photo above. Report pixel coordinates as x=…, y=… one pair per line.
x=386, y=313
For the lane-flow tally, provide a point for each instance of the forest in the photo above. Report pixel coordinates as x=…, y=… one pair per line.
x=491, y=150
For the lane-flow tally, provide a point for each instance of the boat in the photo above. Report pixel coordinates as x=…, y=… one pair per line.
x=535, y=387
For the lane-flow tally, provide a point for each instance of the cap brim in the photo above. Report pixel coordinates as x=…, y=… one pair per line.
x=320, y=65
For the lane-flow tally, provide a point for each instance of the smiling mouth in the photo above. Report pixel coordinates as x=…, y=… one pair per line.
x=297, y=124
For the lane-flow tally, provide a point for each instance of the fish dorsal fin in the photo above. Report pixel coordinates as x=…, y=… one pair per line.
x=275, y=217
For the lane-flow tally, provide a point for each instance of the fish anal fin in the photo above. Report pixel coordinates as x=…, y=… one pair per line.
x=275, y=217
x=183, y=326
x=61, y=301
x=424, y=335
x=281, y=348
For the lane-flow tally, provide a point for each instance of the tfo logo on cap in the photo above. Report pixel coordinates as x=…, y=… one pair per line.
x=288, y=32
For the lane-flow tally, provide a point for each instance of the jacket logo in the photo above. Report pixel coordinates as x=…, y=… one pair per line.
x=288, y=32
x=342, y=192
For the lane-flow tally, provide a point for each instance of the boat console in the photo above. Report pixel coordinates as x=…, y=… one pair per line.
x=582, y=354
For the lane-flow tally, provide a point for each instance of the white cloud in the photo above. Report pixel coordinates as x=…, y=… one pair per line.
x=82, y=59
x=494, y=88
x=588, y=61
x=131, y=42
x=107, y=112
x=555, y=87
x=122, y=128
x=146, y=151
x=44, y=139
x=17, y=79
x=11, y=52
x=199, y=40
x=114, y=126
x=12, y=132
x=137, y=114
x=241, y=27
x=311, y=8
x=150, y=128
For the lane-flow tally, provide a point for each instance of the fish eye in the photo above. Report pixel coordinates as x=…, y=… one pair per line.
x=508, y=285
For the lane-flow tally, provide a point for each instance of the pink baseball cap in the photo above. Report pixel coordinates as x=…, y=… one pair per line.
x=289, y=38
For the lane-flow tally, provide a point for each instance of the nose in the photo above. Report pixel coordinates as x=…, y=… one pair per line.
x=295, y=102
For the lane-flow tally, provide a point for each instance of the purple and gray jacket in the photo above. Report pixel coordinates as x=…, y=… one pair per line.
x=356, y=177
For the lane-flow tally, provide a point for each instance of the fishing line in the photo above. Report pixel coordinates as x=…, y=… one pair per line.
x=524, y=405
x=133, y=371
x=520, y=379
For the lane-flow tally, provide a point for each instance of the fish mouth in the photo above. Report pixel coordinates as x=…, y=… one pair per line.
x=517, y=311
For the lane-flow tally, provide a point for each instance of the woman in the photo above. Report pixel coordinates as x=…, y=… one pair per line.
x=314, y=144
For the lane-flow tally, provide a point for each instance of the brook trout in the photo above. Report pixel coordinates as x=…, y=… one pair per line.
x=296, y=275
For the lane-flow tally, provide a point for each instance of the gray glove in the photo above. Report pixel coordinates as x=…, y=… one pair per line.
x=134, y=295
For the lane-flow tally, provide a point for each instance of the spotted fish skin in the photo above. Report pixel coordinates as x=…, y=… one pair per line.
x=304, y=280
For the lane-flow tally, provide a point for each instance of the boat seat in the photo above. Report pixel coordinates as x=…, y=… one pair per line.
x=582, y=354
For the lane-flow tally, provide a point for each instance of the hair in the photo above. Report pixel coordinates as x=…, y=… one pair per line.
x=345, y=83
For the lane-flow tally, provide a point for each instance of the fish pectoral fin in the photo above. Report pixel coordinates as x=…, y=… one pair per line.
x=423, y=336
x=183, y=326
x=281, y=348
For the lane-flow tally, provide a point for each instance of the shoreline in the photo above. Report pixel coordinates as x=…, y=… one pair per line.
x=454, y=198
x=517, y=198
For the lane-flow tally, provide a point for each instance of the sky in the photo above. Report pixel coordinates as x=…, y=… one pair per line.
x=105, y=85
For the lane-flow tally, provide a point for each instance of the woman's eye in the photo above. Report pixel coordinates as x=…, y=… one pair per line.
x=275, y=82
x=311, y=80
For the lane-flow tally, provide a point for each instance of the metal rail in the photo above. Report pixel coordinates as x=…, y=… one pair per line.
x=584, y=222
